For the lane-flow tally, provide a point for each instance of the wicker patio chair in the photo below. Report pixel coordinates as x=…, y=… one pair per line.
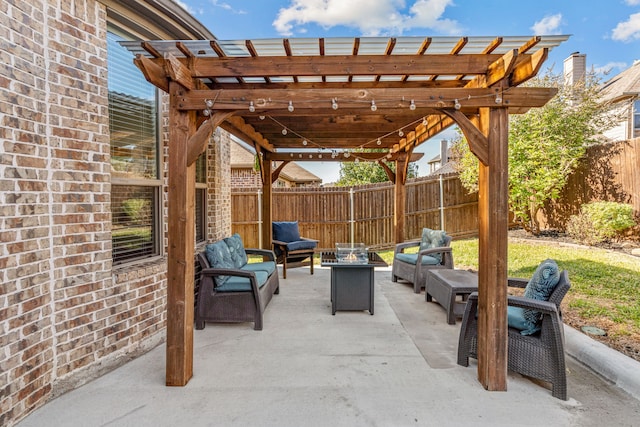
x=540, y=355
x=413, y=267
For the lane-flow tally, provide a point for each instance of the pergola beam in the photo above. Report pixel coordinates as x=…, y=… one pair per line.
x=334, y=65
x=265, y=100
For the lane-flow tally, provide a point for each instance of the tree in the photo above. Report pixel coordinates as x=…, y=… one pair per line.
x=358, y=173
x=545, y=145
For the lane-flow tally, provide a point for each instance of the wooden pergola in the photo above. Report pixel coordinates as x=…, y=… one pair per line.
x=345, y=99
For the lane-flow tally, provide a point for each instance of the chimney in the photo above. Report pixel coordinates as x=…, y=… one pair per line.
x=444, y=149
x=575, y=68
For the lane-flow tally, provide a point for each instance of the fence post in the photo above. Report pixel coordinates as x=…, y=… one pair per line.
x=259, y=217
x=441, y=204
x=351, y=216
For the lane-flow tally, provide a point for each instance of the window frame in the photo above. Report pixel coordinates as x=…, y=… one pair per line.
x=155, y=183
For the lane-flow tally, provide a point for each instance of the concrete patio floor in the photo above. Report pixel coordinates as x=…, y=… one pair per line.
x=309, y=368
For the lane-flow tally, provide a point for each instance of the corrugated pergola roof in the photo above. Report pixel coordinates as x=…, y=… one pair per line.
x=332, y=84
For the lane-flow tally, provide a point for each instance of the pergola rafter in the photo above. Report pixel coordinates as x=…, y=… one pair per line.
x=370, y=99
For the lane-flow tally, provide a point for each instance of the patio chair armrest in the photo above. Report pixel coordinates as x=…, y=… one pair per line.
x=400, y=247
x=306, y=239
x=279, y=242
x=544, y=307
x=266, y=253
x=213, y=272
x=442, y=249
x=517, y=282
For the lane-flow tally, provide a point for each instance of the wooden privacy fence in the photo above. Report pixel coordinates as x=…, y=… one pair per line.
x=360, y=214
x=608, y=172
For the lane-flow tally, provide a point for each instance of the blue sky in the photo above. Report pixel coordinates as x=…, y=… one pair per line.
x=607, y=31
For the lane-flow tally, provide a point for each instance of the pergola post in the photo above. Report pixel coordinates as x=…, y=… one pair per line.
x=493, y=228
x=181, y=238
x=267, y=194
x=400, y=197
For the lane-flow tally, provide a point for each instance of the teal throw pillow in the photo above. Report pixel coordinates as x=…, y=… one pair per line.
x=433, y=239
x=236, y=249
x=540, y=287
x=219, y=256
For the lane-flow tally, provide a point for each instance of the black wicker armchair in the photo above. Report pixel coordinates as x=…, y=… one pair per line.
x=413, y=267
x=540, y=355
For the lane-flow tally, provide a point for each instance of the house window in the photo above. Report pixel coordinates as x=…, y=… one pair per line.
x=135, y=166
x=636, y=119
x=201, y=197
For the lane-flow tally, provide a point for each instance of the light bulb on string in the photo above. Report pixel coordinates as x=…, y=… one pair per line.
x=456, y=104
x=261, y=117
x=400, y=133
x=374, y=107
x=304, y=142
x=208, y=103
x=498, y=99
x=412, y=106
x=378, y=142
x=425, y=122
x=252, y=107
x=290, y=107
x=334, y=103
x=284, y=131
x=206, y=113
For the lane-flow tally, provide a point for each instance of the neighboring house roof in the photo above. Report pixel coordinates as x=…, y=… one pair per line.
x=242, y=158
x=624, y=85
x=294, y=172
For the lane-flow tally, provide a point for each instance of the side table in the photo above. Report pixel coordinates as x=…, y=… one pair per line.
x=445, y=285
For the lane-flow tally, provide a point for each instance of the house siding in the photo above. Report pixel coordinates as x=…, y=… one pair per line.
x=67, y=314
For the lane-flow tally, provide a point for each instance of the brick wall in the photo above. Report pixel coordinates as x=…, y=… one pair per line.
x=67, y=314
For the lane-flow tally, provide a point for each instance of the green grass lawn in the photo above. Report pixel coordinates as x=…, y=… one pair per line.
x=605, y=285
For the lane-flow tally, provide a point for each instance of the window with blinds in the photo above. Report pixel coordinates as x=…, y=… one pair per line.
x=636, y=119
x=133, y=126
x=201, y=197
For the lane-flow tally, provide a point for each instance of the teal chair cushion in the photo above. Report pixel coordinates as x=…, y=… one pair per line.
x=242, y=284
x=219, y=256
x=266, y=266
x=540, y=287
x=236, y=249
x=433, y=239
x=413, y=259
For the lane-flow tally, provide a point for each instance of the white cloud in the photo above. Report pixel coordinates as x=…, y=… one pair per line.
x=632, y=2
x=628, y=30
x=609, y=67
x=370, y=17
x=184, y=6
x=548, y=25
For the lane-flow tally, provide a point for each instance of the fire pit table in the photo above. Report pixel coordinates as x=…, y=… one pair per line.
x=352, y=284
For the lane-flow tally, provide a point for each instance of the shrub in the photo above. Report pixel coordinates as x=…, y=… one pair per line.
x=599, y=221
x=137, y=209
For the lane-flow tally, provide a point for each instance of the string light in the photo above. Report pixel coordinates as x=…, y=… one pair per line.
x=290, y=107
x=425, y=122
x=412, y=106
x=304, y=142
x=379, y=141
x=284, y=131
x=456, y=104
x=498, y=99
x=334, y=103
x=252, y=107
x=208, y=103
x=373, y=106
x=400, y=133
x=261, y=117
